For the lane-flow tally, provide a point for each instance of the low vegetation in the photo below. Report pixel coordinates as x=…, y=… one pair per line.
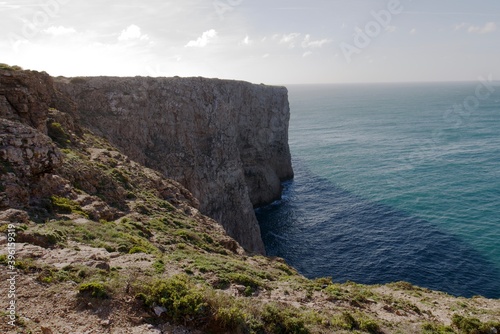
x=174, y=266
x=10, y=68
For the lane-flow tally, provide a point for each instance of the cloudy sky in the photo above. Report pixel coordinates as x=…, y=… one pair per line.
x=269, y=41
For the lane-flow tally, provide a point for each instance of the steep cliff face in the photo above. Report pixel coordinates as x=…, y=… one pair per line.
x=28, y=157
x=27, y=96
x=226, y=141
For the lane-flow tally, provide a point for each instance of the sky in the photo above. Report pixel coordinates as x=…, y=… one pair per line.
x=261, y=41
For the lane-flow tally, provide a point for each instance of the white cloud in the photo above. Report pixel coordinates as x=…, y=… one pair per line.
x=460, y=26
x=59, y=31
x=413, y=31
x=246, y=41
x=486, y=29
x=203, y=41
x=307, y=43
x=266, y=55
x=293, y=38
x=131, y=33
x=289, y=39
x=307, y=54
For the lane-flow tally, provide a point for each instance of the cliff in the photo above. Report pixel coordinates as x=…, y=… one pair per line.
x=93, y=241
x=225, y=141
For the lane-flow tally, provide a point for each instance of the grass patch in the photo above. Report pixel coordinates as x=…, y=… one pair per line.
x=7, y=67
x=67, y=206
x=345, y=321
x=159, y=266
x=280, y=319
x=348, y=321
x=474, y=326
x=351, y=292
x=244, y=279
x=43, y=236
x=124, y=238
x=27, y=265
x=430, y=328
x=184, y=302
x=121, y=176
x=93, y=289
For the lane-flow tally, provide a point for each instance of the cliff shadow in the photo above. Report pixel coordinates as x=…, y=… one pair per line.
x=323, y=230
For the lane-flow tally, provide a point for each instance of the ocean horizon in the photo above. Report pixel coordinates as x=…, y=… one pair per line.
x=393, y=181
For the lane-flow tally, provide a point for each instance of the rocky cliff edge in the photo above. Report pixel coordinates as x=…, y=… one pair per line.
x=225, y=141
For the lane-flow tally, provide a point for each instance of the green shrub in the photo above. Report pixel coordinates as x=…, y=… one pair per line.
x=473, y=325
x=335, y=292
x=283, y=320
x=57, y=134
x=179, y=296
x=65, y=205
x=121, y=177
x=222, y=283
x=323, y=281
x=93, y=289
x=52, y=275
x=285, y=268
x=189, y=236
x=430, y=328
x=370, y=326
x=345, y=321
x=243, y=279
x=248, y=291
x=138, y=249
x=10, y=68
x=159, y=266
x=231, y=318
x=44, y=237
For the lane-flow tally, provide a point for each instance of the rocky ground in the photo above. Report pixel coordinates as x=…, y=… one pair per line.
x=102, y=244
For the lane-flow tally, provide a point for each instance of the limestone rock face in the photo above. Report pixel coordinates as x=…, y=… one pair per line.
x=28, y=157
x=26, y=96
x=225, y=141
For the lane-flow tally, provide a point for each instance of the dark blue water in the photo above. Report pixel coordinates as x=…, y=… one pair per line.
x=392, y=184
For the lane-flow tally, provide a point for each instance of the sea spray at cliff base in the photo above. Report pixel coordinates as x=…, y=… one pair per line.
x=392, y=182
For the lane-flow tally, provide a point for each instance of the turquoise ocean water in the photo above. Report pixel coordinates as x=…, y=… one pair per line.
x=393, y=182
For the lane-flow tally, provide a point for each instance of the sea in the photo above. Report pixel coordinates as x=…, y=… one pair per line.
x=393, y=182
